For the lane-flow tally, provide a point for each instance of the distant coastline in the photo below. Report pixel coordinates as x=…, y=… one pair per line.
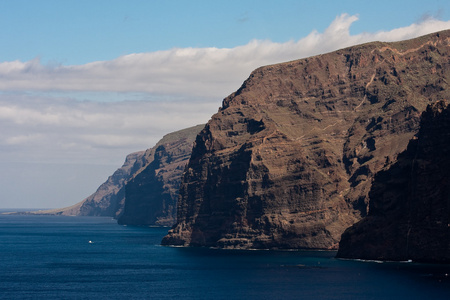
x=7, y=211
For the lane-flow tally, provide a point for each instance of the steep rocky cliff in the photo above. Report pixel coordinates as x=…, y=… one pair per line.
x=409, y=215
x=170, y=154
x=151, y=194
x=109, y=198
x=288, y=160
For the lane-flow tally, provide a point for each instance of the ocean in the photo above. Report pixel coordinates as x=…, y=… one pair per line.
x=57, y=257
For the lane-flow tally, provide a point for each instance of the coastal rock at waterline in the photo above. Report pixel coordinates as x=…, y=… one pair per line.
x=409, y=215
x=151, y=194
x=289, y=159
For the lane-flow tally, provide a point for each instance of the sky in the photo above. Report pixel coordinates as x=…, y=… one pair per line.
x=84, y=83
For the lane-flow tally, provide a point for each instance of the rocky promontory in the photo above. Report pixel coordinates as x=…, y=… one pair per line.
x=288, y=160
x=153, y=176
x=152, y=192
x=409, y=215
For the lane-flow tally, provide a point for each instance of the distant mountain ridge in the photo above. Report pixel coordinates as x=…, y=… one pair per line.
x=289, y=159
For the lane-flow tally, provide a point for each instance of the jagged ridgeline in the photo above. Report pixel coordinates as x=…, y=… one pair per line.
x=289, y=159
x=409, y=217
x=156, y=171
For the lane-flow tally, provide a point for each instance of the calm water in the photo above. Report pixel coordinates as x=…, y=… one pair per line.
x=48, y=257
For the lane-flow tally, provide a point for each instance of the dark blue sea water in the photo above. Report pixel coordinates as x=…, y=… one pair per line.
x=51, y=257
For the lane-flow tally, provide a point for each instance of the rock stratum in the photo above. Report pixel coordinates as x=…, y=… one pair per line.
x=409, y=216
x=114, y=199
x=289, y=159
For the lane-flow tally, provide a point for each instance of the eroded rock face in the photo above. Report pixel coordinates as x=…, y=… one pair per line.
x=151, y=194
x=409, y=216
x=288, y=160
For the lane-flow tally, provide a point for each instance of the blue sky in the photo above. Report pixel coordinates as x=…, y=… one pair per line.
x=78, y=32
x=84, y=83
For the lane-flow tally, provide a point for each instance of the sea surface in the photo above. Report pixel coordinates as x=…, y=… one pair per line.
x=56, y=257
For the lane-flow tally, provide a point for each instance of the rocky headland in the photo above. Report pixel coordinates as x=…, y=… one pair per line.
x=162, y=163
x=409, y=214
x=289, y=159
x=152, y=192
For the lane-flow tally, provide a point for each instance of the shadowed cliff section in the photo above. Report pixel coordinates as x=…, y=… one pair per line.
x=409, y=216
x=288, y=160
x=151, y=194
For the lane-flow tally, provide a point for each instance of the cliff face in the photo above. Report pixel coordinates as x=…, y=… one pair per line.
x=151, y=194
x=409, y=216
x=288, y=160
x=167, y=158
x=109, y=198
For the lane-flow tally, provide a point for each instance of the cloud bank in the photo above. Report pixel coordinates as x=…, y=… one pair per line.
x=194, y=72
x=63, y=130
x=179, y=88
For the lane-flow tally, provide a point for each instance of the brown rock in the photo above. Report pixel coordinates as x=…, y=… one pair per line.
x=288, y=160
x=409, y=216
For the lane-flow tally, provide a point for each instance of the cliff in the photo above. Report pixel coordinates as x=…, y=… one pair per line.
x=109, y=199
x=409, y=216
x=151, y=194
x=288, y=160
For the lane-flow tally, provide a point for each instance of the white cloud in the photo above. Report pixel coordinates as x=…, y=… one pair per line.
x=56, y=130
x=196, y=72
x=27, y=139
x=180, y=88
